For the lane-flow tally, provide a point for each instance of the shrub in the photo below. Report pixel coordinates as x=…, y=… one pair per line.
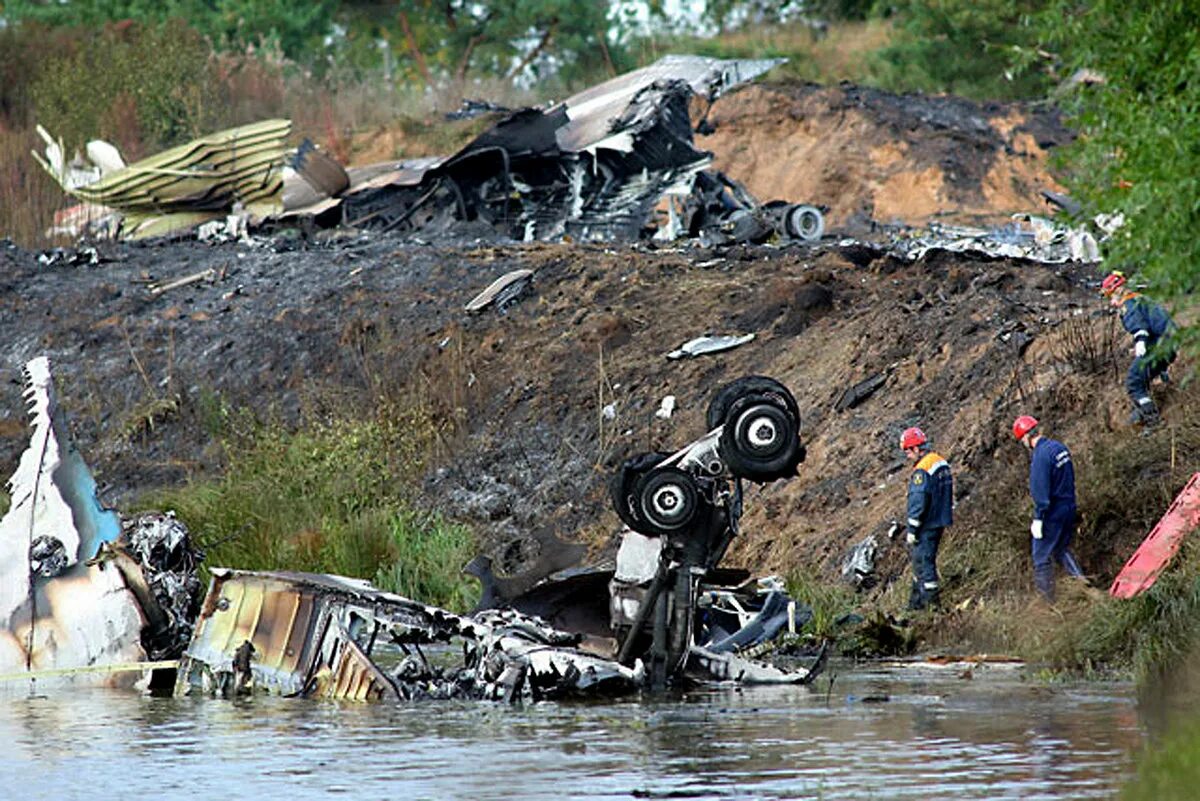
x=332, y=497
x=140, y=87
x=1139, y=152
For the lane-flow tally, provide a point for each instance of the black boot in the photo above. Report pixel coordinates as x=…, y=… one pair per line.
x=1146, y=413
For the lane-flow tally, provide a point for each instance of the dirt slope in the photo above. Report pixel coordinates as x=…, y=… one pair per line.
x=964, y=344
x=528, y=383
x=869, y=155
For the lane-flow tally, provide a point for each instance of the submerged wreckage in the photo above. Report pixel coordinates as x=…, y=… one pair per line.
x=595, y=166
x=88, y=598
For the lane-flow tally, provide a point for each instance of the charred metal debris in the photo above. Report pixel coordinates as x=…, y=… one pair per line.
x=88, y=598
x=600, y=165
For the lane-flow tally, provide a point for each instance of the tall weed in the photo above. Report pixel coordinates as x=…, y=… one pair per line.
x=828, y=602
x=335, y=496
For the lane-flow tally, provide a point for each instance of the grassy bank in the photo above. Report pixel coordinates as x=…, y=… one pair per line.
x=336, y=495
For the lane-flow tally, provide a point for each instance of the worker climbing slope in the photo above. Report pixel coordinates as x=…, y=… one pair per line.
x=930, y=502
x=1153, y=343
x=1052, y=487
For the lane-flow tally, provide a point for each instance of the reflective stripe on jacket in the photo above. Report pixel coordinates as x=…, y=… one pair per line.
x=930, y=494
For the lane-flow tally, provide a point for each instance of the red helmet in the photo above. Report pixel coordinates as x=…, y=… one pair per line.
x=1023, y=425
x=911, y=438
x=1112, y=282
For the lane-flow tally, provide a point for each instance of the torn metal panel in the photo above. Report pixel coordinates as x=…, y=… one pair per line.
x=709, y=344
x=313, y=635
x=502, y=291
x=593, y=111
x=858, y=568
x=733, y=668
x=858, y=393
x=186, y=185
x=57, y=608
x=1027, y=238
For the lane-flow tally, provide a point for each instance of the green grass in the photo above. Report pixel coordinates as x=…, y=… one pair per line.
x=335, y=496
x=828, y=602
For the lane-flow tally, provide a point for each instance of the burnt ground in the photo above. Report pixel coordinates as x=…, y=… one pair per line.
x=963, y=346
x=960, y=342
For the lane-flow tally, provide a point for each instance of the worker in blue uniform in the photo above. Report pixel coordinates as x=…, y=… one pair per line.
x=930, y=510
x=1154, y=347
x=1052, y=486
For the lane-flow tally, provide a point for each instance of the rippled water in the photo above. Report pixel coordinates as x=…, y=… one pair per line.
x=886, y=733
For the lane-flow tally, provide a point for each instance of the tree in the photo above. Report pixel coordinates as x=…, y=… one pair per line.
x=447, y=41
x=293, y=27
x=966, y=47
x=1139, y=149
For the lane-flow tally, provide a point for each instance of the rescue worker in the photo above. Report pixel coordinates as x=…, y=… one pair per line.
x=930, y=501
x=1052, y=486
x=1153, y=343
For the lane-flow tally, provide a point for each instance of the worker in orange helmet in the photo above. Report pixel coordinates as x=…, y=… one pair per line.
x=1052, y=486
x=1154, y=347
x=930, y=510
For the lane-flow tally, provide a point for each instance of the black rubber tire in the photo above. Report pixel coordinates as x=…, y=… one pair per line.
x=667, y=501
x=760, y=441
x=623, y=482
x=763, y=386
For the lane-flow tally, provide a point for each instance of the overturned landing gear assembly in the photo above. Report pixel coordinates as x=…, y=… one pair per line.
x=682, y=512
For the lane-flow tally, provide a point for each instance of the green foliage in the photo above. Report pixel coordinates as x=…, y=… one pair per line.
x=291, y=27
x=431, y=553
x=5, y=502
x=1149, y=633
x=828, y=602
x=509, y=38
x=330, y=498
x=1139, y=152
x=1168, y=770
x=964, y=48
x=137, y=86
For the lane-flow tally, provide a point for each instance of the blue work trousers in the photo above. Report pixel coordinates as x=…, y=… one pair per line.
x=925, y=587
x=1058, y=529
x=1142, y=371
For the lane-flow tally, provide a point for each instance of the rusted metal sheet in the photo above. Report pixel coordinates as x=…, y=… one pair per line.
x=313, y=635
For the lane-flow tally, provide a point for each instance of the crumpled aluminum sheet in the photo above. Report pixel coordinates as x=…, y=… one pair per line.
x=1027, y=238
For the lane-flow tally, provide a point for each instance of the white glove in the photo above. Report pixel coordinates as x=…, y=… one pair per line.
x=1035, y=528
x=1139, y=349
x=910, y=538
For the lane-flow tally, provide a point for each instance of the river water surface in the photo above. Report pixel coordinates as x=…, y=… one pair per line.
x=885, y=732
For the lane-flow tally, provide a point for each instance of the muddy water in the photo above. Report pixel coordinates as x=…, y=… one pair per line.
x=885, y=733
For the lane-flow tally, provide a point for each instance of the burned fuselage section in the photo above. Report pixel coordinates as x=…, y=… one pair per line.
x=332, y=637
x=593, y=167
x=84, y=597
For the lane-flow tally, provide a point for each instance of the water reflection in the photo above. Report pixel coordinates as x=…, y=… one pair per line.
x=934, y=736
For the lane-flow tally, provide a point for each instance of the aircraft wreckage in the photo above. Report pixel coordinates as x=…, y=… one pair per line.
x=88, y=598
x=595, y=166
